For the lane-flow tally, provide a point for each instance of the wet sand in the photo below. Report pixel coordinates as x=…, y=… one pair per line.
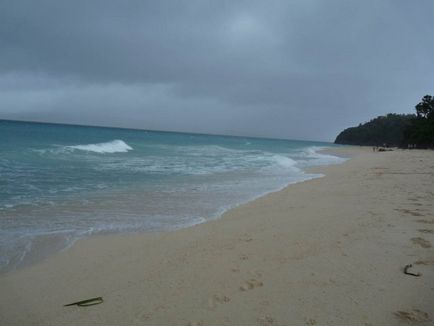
x=328, y=251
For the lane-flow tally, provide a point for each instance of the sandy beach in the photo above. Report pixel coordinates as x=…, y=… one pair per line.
x=329, y=251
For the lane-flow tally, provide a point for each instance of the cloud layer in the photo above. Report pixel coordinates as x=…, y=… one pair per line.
x=290, y=69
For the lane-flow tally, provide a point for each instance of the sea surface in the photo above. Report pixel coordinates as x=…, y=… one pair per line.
x=59, y=183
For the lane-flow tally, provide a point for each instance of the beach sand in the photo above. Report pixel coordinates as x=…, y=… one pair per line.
x=328, y=251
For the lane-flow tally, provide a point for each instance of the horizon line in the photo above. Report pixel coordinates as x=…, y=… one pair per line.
x=155, y=130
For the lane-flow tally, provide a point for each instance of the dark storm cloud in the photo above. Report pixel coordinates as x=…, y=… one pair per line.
x=300, y=69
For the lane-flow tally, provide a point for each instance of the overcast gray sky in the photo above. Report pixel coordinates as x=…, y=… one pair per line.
x=302, y=69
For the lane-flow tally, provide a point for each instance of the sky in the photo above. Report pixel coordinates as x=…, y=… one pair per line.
x=296, y=69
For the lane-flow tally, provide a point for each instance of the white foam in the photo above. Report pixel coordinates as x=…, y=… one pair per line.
x=311, y=156
x=284, y=161
x=114, y=146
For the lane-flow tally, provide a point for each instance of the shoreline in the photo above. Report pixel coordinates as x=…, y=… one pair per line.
x=45, y=245
x=324, y=251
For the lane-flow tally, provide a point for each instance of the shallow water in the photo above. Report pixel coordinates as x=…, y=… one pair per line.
x=59, y=183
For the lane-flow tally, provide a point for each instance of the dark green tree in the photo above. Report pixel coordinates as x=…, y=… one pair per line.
x=382, y=130
x=403, y=130
x=421, y=131
x=425, y=108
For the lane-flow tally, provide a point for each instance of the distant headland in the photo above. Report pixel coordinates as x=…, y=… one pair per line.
x=396, y=130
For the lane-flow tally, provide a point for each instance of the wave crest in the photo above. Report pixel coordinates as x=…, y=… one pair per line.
x=284, y=161
x=114, y=146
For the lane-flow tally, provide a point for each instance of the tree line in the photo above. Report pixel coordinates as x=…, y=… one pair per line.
x=397, y=130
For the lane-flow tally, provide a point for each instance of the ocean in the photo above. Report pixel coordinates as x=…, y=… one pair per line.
x=59, y=183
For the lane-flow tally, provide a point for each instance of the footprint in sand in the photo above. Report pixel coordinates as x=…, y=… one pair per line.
x=310, y=321
x=407, y=211
x=413, y=316
x=141, y=317
x=251, y=284
x=217, y=299
x=196, y=323
x=424, y=262
x=244, y=257
x=267, y=320
x=426, y=231
x=425, y=221
x=245, y=237
x=421, y=242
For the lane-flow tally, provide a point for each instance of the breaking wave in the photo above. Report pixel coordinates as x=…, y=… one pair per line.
x=114, y=146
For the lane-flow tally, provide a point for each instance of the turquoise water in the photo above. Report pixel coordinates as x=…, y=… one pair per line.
x=59, y=183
